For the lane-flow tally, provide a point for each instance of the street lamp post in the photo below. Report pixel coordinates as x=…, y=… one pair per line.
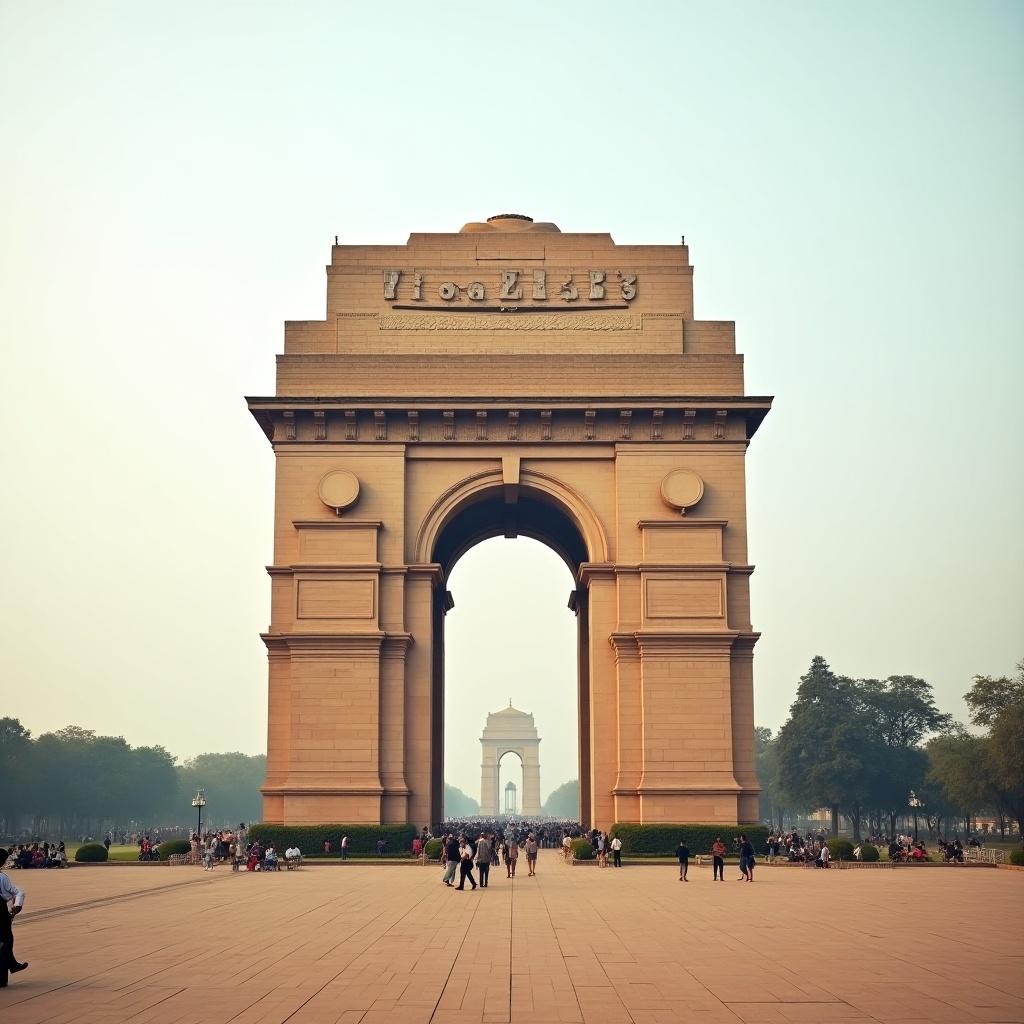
x=199, y=801
x=915, y=803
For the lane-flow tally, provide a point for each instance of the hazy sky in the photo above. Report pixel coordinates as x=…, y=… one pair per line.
x=848, y=178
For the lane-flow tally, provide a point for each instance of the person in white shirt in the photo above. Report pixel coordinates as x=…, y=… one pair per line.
x=617, y=852
x=12, y=900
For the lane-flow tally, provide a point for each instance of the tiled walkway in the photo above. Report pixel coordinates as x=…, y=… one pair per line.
x=389, y=943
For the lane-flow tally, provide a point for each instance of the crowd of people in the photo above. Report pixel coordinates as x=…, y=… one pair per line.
x=797, y=849
x=232, y=846
x=38, y=855
x=460, y=854
x=548, y=832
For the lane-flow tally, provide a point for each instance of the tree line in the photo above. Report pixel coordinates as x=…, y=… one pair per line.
x=73, y=783
x=878, y=750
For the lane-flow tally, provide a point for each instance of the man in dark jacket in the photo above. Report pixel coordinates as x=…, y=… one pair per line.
x=451, y=853
x=683, y=856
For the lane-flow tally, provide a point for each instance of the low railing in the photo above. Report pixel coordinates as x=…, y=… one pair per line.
x=976, y=855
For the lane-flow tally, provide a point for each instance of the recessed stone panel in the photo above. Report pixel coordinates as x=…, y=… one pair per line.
x=674, y=543
x=678, y=598
x=335, y=599
x=325, y=545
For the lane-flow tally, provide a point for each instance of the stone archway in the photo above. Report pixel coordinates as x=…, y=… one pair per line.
x=510, y=379
x=509, y=731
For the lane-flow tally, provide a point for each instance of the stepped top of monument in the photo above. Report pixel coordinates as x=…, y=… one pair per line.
x=509, y=223
x=510, y=309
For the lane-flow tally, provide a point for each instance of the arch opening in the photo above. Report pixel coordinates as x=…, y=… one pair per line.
x=480, y=519
x=511, y=772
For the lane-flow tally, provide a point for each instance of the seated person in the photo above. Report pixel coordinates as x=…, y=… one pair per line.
x=270, y=859
x=293, y=855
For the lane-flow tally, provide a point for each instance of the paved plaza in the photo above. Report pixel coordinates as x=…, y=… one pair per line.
x=365, y=943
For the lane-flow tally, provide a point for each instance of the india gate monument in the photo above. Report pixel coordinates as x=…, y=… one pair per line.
x=510, y=379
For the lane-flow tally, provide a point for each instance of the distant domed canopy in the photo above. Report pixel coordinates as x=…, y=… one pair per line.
x=509, y=222
x=510, y=712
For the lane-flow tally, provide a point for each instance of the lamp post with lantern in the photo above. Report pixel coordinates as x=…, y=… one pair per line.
x=916, y=804
x=199, y=801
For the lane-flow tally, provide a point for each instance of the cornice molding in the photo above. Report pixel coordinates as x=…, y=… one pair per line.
x=325, y=645
x=339, y=523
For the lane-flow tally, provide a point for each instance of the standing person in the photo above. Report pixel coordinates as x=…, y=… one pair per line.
x=531, y=854
x=466, y=865
x=746, y=858
x=511, y=856
x=12, y=899
x=718, y=860
x=683, y=856
x=483, y=859
x=344, y=847
x=602, y=860
x=617, y=852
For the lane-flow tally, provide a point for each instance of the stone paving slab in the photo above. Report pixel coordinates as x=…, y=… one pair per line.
x=388, y=943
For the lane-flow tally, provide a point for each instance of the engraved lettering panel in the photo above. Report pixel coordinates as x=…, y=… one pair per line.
x=675, y=544
x=674, y=598
x=335, y=599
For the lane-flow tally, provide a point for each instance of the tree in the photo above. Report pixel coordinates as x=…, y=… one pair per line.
x=457, y=804
x=902, y=712
x=988, y=698
x=564, y=802
x=1006, y=757
x=956, y=762
x=231, y=783
x=825, y=749
x=766, y=758
x=16, y=755
x=998, y=704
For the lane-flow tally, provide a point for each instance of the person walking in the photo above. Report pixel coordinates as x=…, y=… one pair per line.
x=531, y=854
x=452, y=857
x=466, y=865
x=718, y=860
x=683, y=856
x=483, y=859
x=616, y=845
x=746, y=860
x=12, y=900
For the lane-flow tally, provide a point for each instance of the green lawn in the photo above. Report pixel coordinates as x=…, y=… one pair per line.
x=119, y=853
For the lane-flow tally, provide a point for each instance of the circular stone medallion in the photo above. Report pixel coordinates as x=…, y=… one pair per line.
x=682, y=489
x=339, y=490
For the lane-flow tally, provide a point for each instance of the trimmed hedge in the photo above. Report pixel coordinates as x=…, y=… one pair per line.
x=582, y=849
x=173, y=847
x=91, y=853
x=840, y=849
x=433, y=849
x=362, y=839
x=868, y=853
x=1017, y=857
x=662, y=840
